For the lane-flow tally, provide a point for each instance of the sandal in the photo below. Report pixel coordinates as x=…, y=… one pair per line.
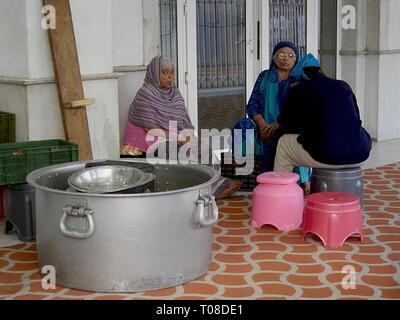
x=230, y=190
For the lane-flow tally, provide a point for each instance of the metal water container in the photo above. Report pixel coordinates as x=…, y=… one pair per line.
x=338, y=180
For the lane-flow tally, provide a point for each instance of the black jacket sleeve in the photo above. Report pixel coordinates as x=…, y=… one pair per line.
x=290, y=117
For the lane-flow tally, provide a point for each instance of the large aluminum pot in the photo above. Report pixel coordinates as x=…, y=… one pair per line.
x=126, y=242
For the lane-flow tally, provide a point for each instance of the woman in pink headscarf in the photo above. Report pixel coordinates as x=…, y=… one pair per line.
x=157, y=104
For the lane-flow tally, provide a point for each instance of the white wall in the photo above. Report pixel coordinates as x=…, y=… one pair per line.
x=151, y=30
x=136, y=40
x=103, y=118
x=13, y=39
x=13, y=98
x=93, y=34
x=39, y=57
x=127, y=30
x=32, y=94
x=43, y=100
x=127, y=88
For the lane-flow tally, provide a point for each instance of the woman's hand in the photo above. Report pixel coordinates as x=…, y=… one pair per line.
x=268, y=132
x=183, y=141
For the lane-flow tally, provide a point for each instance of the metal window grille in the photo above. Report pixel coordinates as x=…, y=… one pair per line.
x=288, y=22
x=168, y=30
x=221, y=51
x=221, y=36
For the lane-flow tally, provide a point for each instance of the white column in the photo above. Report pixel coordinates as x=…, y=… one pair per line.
x=353, y=54
x=389, y=71
x=369, y=59
x=312, y=26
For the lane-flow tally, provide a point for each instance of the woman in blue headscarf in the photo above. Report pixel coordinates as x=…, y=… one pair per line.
x=269, y=95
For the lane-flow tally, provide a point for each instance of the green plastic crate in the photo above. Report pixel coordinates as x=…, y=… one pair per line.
x=17, y=160
x=7, y=127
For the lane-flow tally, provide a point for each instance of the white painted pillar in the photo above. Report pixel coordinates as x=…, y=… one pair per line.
x=370, y=62
x=136, y=40
x=389, y=71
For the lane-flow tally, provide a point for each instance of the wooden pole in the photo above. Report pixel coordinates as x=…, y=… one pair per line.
x=68, y=79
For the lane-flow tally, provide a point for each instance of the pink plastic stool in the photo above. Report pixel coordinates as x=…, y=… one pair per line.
x=278, y=201
x=333, y=217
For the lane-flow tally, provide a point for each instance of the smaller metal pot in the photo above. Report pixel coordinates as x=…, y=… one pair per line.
x=110, y=179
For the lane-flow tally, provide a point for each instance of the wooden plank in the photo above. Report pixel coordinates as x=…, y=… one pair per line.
x=68, y=77
x=79, y=103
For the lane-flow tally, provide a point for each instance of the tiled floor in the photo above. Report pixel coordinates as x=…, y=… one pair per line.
x=220, y=112
x=7, y=240
x=383, y=153
x=264, y=264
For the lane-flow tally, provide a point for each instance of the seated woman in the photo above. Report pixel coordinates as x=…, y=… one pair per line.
x=158, y=103
x=269, y=94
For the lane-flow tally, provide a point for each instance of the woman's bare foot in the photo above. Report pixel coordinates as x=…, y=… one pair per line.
x=306, y=188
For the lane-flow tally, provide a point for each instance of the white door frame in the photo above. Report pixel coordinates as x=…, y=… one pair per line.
x=256, y=10
x=265, y=56
x=339, y=40
x=312, y=30
x=259, y=10
x=187, y=55
x=313, y=27
x=251, y=46
x=187, y=52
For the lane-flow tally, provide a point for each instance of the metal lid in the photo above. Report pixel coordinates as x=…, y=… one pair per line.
x=108, y=179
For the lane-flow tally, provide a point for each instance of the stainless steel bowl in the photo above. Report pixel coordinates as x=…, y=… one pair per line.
x=110, y=179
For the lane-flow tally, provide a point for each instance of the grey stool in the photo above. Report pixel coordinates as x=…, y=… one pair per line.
x=20, y=212
x=338, y=180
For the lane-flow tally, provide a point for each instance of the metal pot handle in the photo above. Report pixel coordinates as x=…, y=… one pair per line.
x=205, y=201
x=76, y=211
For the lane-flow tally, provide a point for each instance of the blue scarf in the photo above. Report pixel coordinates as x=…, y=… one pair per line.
x=276, y=94
x=297, y=72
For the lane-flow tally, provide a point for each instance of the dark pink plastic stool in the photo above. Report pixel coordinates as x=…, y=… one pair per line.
x=333, y=217
x=278, y=201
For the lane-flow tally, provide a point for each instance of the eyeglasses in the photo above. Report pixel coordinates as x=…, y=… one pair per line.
x=282, y=55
